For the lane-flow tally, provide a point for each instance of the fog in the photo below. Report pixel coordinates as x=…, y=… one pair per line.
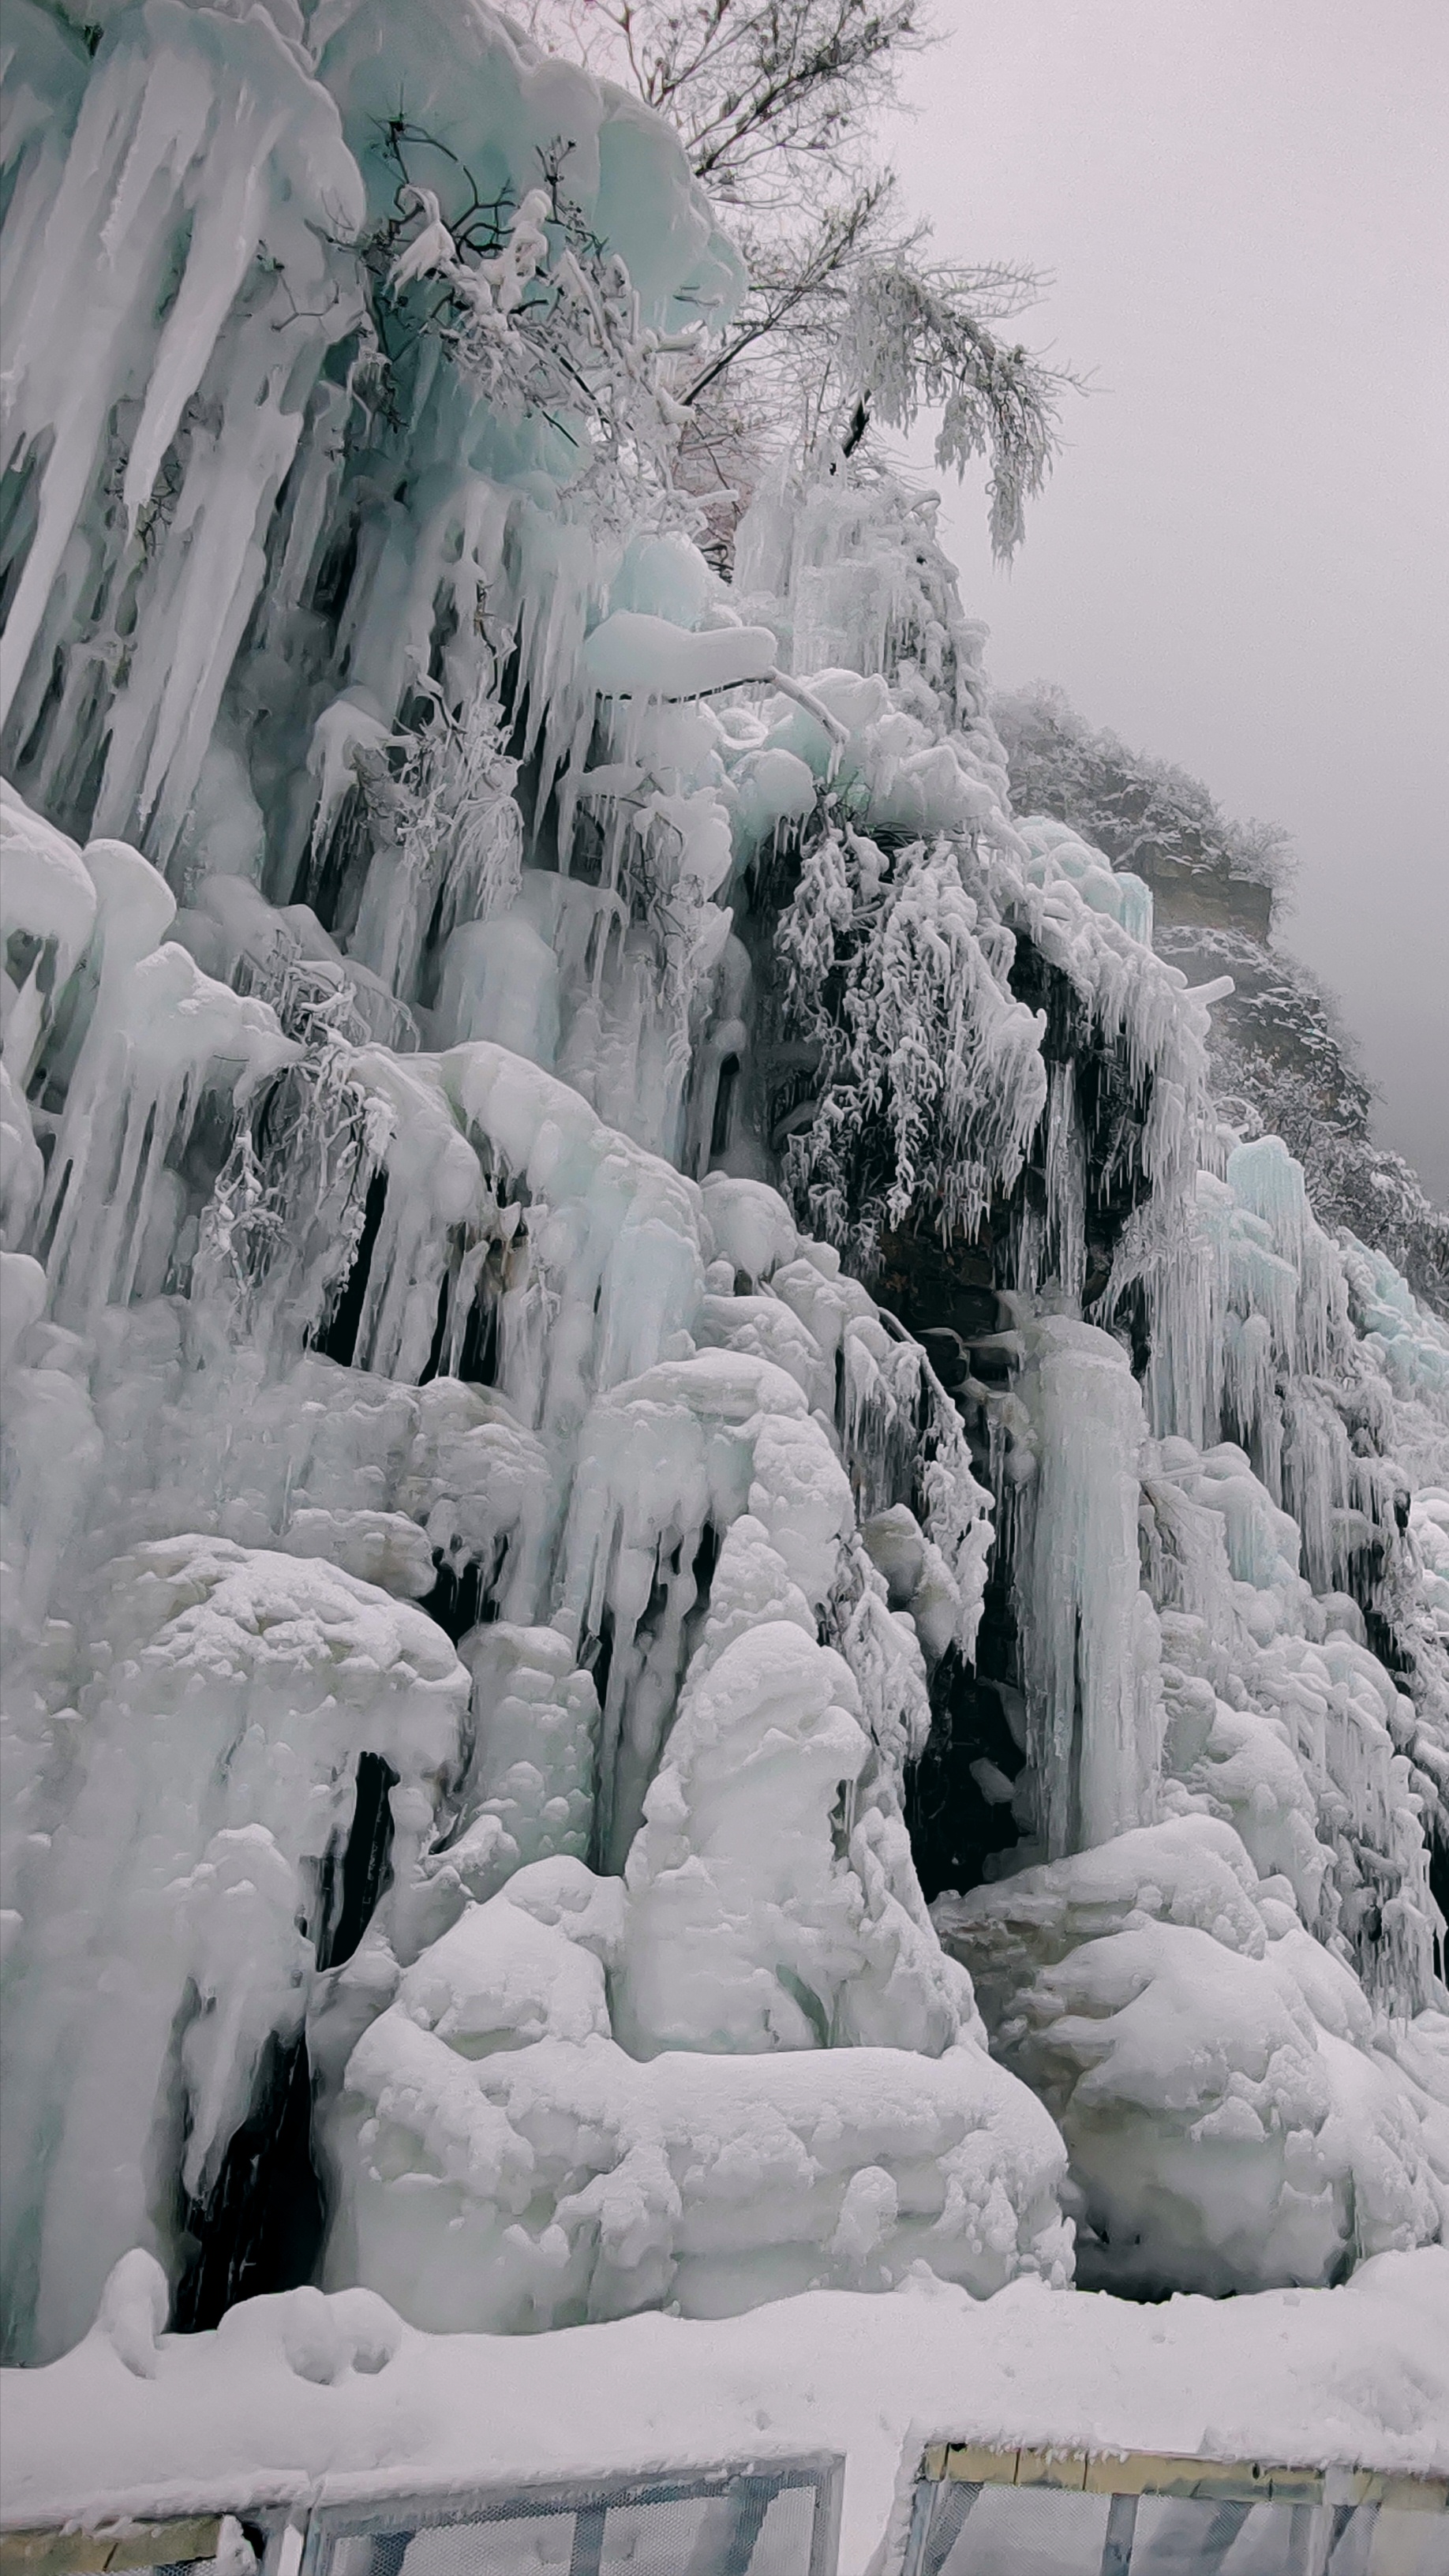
x=1241, y=561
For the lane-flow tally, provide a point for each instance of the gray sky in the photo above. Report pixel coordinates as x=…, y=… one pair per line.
x=1241, y=562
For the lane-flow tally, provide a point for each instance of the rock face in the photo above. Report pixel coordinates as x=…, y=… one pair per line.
x=1189, y=897
x=632, y=1343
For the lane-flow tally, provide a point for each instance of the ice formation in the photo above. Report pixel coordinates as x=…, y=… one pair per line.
x=630, y=1347
x=1216, y=2071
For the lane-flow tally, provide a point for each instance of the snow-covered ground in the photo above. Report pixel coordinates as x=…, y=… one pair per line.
x=304, y=2398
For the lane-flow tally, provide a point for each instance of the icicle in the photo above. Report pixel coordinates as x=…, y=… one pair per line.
x=201, y=146
x=162, y=1032
x=459, y=838
x=47, y=905
x=1066, y=1184
x=1090, y=1637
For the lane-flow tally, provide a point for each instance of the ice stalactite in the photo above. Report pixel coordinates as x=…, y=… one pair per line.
x=530, y=1792
x=456, y=847
x=186, y=234
x=22, y=1165
x=47, y=911
x=142, y=1038
x=52, y=1450
x=113, y=1209
x=1065, y=1246
x=1247, y=1302
x=1093, y=1693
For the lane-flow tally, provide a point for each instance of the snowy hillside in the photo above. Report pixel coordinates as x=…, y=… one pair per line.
x=705, y=1598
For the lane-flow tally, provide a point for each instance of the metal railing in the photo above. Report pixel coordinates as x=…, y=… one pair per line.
x=981, y=2511
x=976, y=2511
x=110, y=2550
x=751, y=2518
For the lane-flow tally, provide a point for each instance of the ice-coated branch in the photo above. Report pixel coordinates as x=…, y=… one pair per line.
x=533, y=309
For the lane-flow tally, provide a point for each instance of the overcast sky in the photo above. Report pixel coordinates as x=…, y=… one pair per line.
x=1243, y=560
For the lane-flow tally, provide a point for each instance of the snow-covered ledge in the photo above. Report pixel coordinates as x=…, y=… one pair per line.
x=303, y=2399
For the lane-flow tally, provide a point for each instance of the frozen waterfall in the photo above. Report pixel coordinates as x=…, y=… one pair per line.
x=703, y=1596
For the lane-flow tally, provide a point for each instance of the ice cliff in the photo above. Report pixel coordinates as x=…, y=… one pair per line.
x=631, y=1345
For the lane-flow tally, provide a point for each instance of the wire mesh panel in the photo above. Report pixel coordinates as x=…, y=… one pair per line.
x=1181, y=2537
x=983, y=2513
x=778, y=2518
x=1178, y=2536
x=991, y=2530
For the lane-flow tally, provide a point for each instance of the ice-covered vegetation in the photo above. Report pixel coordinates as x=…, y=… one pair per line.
x=1282, y=1062
x=705, y=1594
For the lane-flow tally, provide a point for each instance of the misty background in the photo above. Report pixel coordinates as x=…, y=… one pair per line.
x=1240, y=562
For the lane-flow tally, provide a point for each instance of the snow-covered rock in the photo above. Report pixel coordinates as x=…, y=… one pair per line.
x=1230, y=2120
x=506, y=2165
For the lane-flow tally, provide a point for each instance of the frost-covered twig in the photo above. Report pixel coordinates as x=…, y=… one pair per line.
x=533, y=308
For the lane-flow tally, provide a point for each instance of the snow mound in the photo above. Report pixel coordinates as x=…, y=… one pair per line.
x=507, y=2166
x=1233, y=2117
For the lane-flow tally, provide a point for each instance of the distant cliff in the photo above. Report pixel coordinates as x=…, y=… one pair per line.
x=1282, y=1061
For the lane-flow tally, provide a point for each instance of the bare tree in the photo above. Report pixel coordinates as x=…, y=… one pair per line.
x=767, y=94
x=847, y=321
